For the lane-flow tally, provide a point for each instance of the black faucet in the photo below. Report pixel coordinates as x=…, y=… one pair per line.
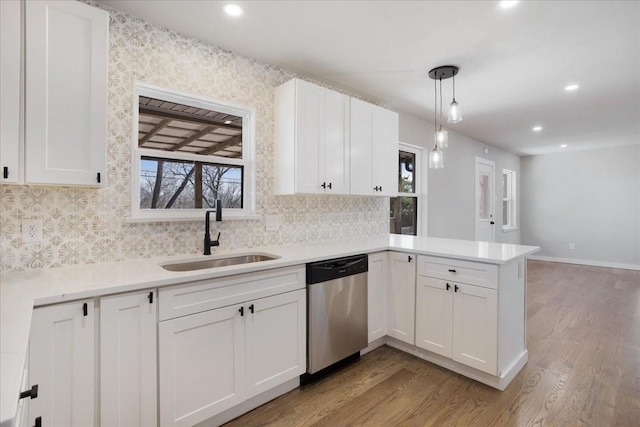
x=207, y=237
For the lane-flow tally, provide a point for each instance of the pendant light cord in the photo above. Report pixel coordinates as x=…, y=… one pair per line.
x=454, y=87
x=440, y=101
x=435, y=111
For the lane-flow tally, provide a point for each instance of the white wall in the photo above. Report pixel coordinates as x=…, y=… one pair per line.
x=451, y=191
x=590, y=198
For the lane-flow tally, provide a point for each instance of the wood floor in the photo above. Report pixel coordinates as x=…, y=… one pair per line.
x=583, y=332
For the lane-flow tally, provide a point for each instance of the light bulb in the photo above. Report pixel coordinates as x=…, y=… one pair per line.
x=454, y=115
x=436, y=159
x=442, y=138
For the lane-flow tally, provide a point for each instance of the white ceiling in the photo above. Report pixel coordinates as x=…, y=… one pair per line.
x=514, y=63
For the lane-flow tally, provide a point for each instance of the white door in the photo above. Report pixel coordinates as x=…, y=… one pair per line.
x=434, y=311
x=310, y=135
x=401, y=293
x=276, y=349
x=201, y=365
x=10, y=102
x=128, y=354
x=385, y=151
x=361, y=147
x=485, y=200
x=475, y=327
x=376, y=296
x=336, y=160
x=62, y=363
x=66, y=96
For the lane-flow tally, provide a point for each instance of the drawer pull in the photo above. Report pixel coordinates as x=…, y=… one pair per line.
x=38, y=422
x=251, y=308
x=85, y=309
x=451, y=270
x=150, y=297
x=448, y=286
x=410, y=258
x=33, y=393
x=241, y=310
x=455, y=288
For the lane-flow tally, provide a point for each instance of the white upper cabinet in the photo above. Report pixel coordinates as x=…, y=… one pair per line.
x=312, y=139
x=374, y=150
x=10, y=101
x=66, y=93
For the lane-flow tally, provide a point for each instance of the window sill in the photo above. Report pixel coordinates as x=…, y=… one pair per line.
x=231, y=216
x=509, y=229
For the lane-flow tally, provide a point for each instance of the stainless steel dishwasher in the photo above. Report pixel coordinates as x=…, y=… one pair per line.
x=336, y=310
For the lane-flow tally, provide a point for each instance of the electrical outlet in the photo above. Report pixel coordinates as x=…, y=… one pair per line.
x=272, y=222
x=572, y=245
x=32, y=230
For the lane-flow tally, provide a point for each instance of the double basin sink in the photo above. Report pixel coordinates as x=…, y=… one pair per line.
x=219, y=262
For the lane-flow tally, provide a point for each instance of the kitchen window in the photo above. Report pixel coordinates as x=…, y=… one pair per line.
x=404, y=208
x=508, y=200
x=187, y=153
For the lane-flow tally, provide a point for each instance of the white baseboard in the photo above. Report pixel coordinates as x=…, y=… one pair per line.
x=373, y=345
x=586, y=262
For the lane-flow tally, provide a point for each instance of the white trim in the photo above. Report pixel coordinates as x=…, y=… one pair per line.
x=586, y=262
x=248, y=157
x=509, y=229
x=512, y=190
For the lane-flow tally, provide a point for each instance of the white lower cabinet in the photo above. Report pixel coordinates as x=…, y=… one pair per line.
x=458, y=321
x=401, y=291
x=377, y=296
x=214, y=360
x=128, y=374
x=62, y=363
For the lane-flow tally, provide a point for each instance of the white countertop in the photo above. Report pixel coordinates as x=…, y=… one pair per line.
x=21, y=291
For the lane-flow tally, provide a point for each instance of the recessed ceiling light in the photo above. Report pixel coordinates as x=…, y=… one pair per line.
x=227, y=122
x=563, y=146
x=233, y=10
x=571, y=87
x=536, y=128
x=508, y=4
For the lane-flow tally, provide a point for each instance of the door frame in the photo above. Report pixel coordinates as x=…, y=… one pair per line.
x=492, y=185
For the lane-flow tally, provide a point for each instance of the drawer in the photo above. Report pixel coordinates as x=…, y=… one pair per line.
x=475, y=273
x=196, y=297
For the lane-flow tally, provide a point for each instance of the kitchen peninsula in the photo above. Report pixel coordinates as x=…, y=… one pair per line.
x=443, y=276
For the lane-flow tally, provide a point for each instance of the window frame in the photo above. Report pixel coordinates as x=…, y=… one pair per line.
x=248, y=211
x=417, y=180
x=510, y=177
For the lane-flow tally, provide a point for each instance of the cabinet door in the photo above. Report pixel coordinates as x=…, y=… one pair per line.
x=377, y=295
x=201, y=365
x=309, y=137
x=66, y=97
x=401, y=293
x=361, y=148
x=128, y=374
x=384, y=158
x=276, y=340
x=434, y=311
x=475, y=327
x=336, y=161
x=10, y=84
x=62, y=363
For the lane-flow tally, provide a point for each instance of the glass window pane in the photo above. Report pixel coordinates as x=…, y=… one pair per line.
x=505, y=185
x=505, y=213
x=404, y=215
x=406, y=172
x=485, y=191
x=182, y=184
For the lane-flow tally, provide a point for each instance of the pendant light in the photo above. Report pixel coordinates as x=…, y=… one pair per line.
x=454, y=115
x=436, y=156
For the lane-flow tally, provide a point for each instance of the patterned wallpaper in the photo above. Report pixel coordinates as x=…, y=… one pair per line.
x=87, y=225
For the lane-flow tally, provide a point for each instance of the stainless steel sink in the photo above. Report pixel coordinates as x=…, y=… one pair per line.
x=218, y=262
